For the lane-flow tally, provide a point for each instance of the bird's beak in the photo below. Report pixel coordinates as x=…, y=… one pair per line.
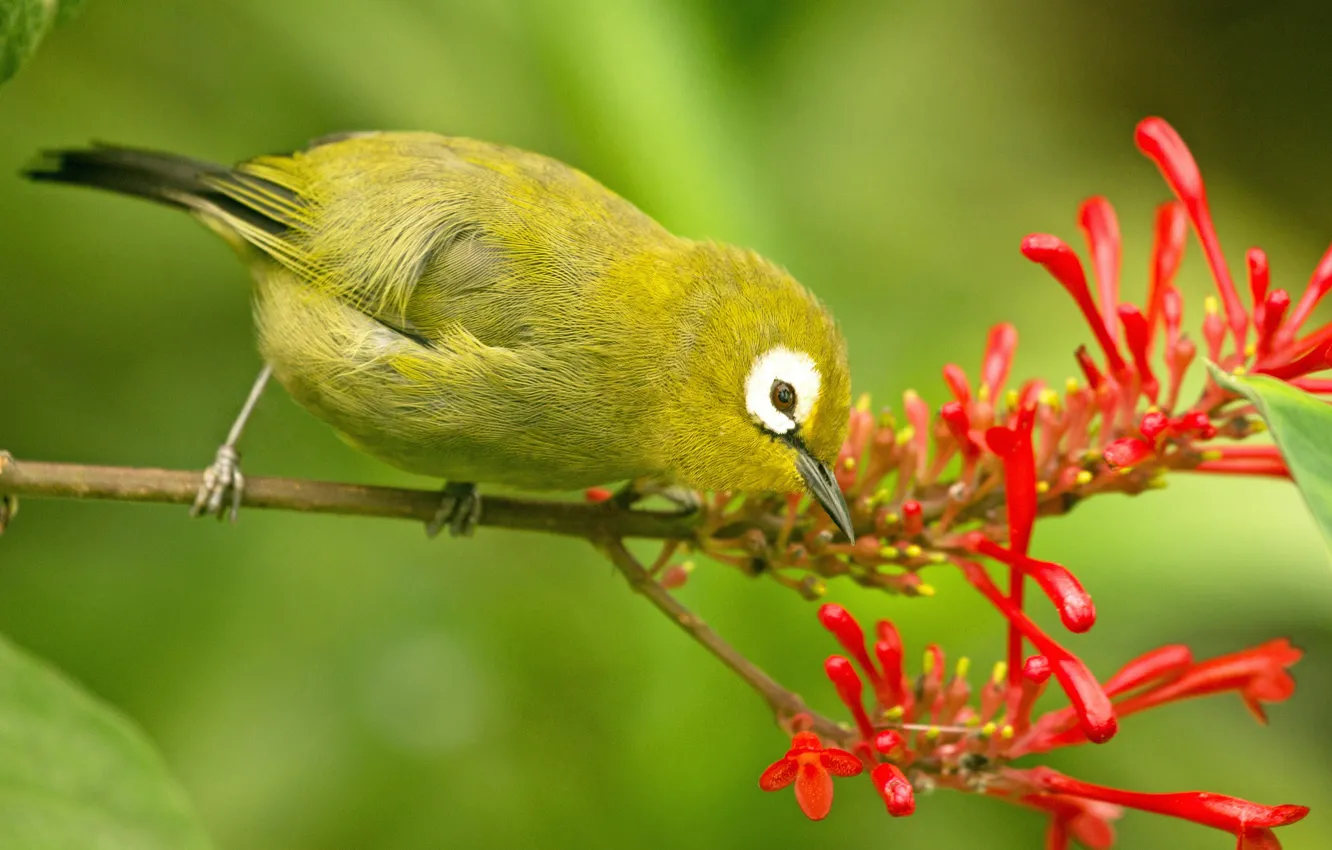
x=821, y=483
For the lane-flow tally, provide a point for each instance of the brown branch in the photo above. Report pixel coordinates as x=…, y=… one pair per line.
x=36, y=479
x=605, y=525
x=786, y=705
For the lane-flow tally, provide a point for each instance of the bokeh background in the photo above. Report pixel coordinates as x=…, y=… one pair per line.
x=342, y=683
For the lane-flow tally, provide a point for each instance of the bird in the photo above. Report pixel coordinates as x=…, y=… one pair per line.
x=479, y=313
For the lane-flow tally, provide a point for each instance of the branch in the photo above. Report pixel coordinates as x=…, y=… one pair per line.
x=605, y=525
x=36, y=479
x=786, y=705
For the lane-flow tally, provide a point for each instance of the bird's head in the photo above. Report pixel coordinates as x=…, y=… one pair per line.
x=765, y=391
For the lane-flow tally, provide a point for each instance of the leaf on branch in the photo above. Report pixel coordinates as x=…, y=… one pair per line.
x=23, y=24
x=75, y=773
x=1301, y=425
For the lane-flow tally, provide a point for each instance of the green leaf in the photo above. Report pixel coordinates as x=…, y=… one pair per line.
x=75, y=774
x=23, y=24
x=1302, y=428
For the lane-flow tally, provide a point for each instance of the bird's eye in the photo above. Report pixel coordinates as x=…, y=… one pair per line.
x=783, y=397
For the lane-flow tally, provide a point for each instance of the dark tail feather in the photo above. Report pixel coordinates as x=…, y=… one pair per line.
x=167, y=178
x=177, y=181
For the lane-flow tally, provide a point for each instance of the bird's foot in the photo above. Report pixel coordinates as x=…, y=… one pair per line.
x=222, y=488
x=459, y=509
x=686, y=501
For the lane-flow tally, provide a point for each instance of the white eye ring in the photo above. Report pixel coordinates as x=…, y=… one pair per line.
x=791, y=367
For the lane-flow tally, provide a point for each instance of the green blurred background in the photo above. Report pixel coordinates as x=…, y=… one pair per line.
x=344, y=683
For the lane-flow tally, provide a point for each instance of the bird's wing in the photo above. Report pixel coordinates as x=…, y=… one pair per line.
x=429, y=233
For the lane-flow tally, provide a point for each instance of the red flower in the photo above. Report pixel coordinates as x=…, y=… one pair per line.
x=1168, y=674
x=811, y=766
x=1246, y=821
x=966, y=485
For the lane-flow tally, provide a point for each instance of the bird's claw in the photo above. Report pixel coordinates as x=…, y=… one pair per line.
x=459, y=509
x=223, y=485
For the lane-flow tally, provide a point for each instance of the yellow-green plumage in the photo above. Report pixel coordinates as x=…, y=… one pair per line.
x=479, y=313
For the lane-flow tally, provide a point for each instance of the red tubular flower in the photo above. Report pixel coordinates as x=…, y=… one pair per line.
x=1161, y=144
x=1229, y=814
x=850, y=689
x=894, y=788
x=1137, y=336
x=1072, y=602
x=1273, y=310
x=1315, y=359
x=954, y=415
x=848, y=633
x=1098, y=222
x=1169, y=675
x=1088, y=367
x=1167, y=251
x=918, y=414
x=1260, y=275
x=1095, y=714
x=1013, y=446
x=811, y=766
x=1087, y=821
x=913, y=521
x=888, y=650
x=889, y=741
x=999, y=350
x=958, y=383
x=1165, y=663
x=1258, y=675
x=1128, y=452
x=1065, y=267
x=1318, y=286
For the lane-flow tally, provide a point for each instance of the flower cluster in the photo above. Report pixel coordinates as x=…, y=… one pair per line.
x=937, y=731
x=964, y=485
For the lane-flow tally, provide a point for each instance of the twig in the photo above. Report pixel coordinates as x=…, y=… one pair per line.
x=786, y=705
x=36, y=479
x=605, y=525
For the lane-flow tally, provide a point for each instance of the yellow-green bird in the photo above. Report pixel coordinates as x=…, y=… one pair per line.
x=479, y=313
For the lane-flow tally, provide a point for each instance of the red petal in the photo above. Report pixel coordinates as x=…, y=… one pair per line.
x=1056, y=835
x=814, y=790
x=1258, y=839
x=840, y=762
x=778, y=775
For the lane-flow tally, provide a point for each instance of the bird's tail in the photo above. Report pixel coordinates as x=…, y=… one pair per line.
x=217, y=193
